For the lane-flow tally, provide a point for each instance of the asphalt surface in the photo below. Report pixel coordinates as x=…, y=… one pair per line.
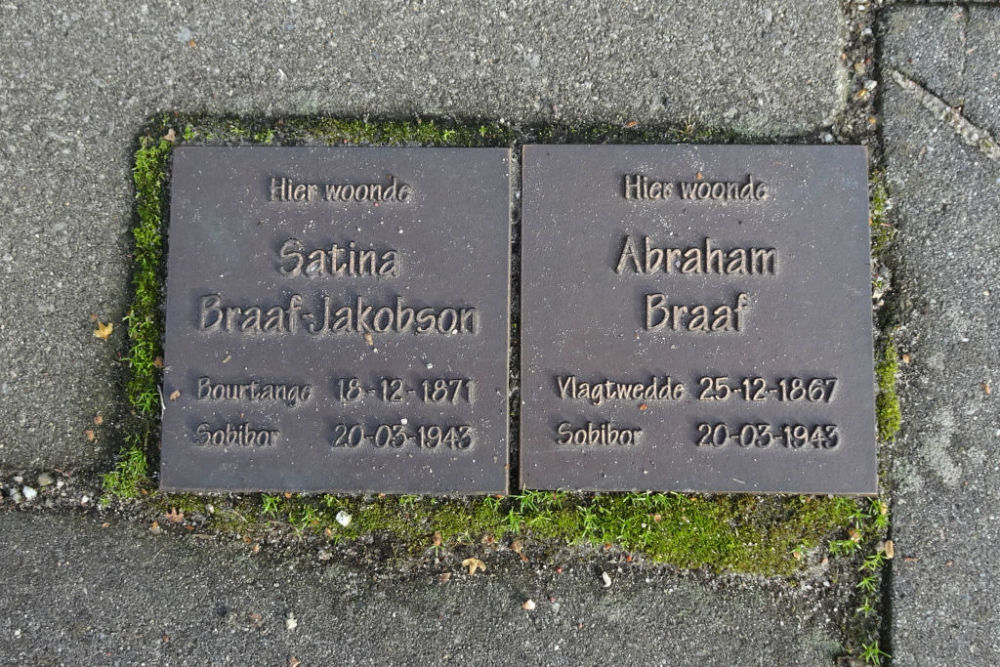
x=946, y=514
x=79, y=80
x=76, y=593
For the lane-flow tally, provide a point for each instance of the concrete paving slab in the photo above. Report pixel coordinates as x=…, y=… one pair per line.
x=79, y=594
x=80, y=78
x=945, y=608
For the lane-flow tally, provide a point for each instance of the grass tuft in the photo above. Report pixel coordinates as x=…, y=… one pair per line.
x=131, y=472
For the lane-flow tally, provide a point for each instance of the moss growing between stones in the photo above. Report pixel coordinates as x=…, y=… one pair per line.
x=768, y=535
x=144, y=319
x=721, y=533
x=887, y=409
x=883, y=233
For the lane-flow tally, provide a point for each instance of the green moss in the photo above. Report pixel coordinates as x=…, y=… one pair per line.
x=144, y=320
x=733, y=533
x=887, y=410
x=131, y=472
x=724, y=533
x=883, y=234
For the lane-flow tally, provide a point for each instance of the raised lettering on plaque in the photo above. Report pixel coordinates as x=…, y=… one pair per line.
x=697, y=318
x=337, y=320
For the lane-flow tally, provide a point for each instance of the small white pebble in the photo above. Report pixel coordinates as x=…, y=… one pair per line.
x=343, y=518
x=290, y=622
x=607, y=579
x=529, y=605
x=29, y=493
x=403, y=421
x=429, y=365
x=84, y=500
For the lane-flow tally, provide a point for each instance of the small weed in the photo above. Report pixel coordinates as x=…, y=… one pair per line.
x=408, y=500
x=873, y=563
x=872, y=654
x=869, y=584
x=264, y=136
x=269, y=504
x=842, y=547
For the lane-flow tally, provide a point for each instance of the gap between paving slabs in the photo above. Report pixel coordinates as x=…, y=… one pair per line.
x=772, y=535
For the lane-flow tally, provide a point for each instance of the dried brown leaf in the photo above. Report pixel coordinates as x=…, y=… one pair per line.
x=474, y=564
x=175, y=394
x=103, y=330
x=175, y=515
x=90, y=435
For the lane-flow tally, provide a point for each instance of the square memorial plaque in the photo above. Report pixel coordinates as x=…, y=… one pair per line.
x=337, y=320
x=697, y=318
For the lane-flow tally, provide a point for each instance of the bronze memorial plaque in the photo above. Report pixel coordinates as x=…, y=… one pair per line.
x=697, y=318
x=337, y=319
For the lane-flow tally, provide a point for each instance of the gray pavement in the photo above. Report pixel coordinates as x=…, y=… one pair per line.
x=79, y=594
x=79, y=79
x=946, y=515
